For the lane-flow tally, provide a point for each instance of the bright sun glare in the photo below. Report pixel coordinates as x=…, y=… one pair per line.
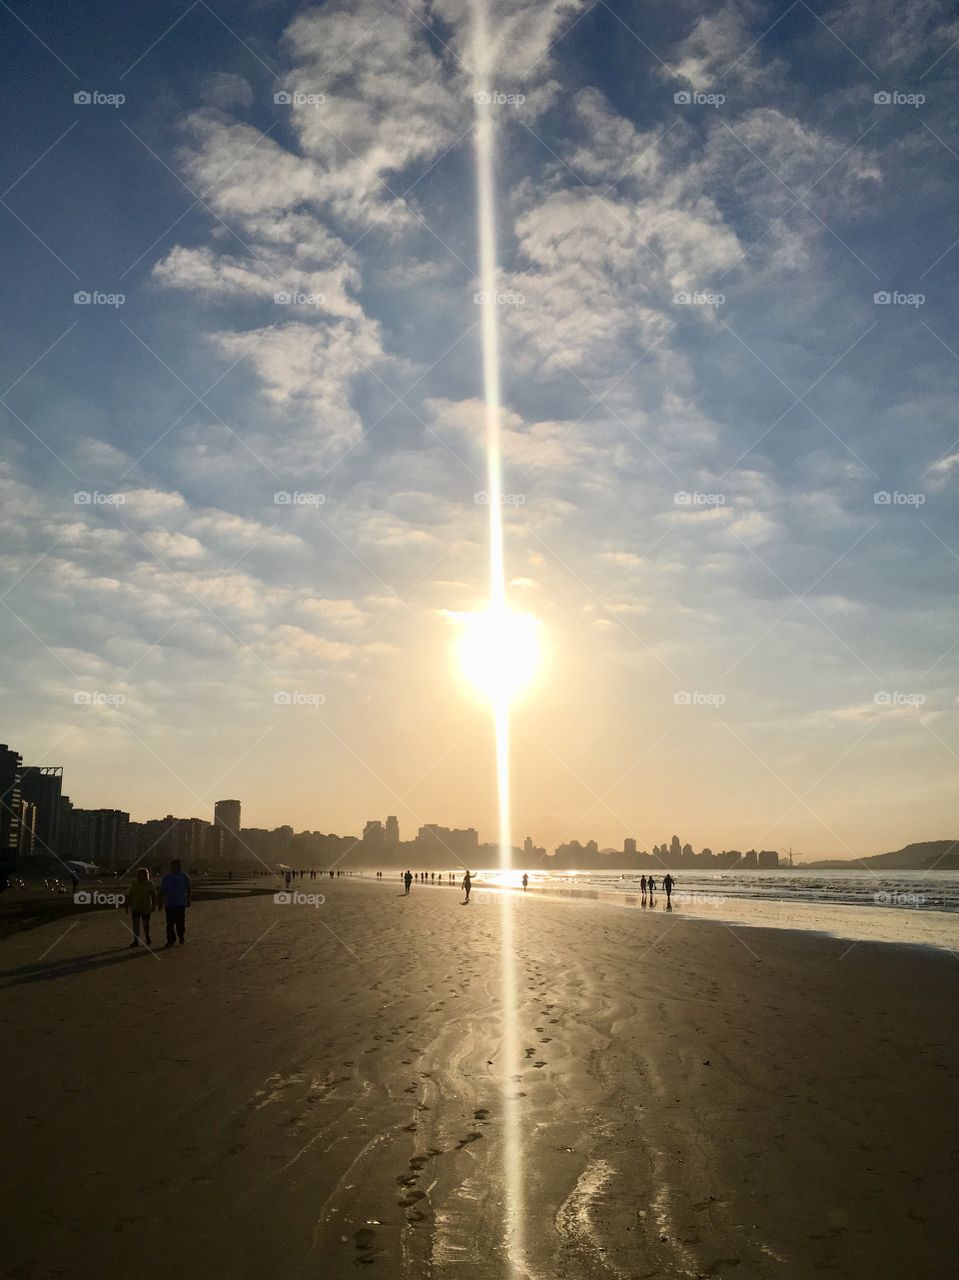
x=499, y=651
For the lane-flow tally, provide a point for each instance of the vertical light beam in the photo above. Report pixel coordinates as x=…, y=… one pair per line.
x=484, y=147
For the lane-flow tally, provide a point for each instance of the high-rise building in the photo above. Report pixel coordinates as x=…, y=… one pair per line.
x=98, y=835
x=41, y=786
x=629, y=847
x=226, y=821
x=392, y=831
x=374, y=836
x=10, y=765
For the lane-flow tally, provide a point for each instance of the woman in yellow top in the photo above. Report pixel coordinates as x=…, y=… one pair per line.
x=141, y=903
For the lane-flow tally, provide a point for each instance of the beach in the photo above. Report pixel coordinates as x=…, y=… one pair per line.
x=305, y=1089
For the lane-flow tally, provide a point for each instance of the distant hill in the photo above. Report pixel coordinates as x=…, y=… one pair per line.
x=939, y=855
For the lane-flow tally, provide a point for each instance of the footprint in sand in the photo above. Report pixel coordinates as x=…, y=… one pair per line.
x=365, y=1243
x=464, y=1142
x=539, y=1064
x=481, y=1114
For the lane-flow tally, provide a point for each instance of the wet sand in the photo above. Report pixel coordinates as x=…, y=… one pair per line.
x=309, y=1092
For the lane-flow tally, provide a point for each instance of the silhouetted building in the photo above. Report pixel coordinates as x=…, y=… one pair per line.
x=40, y=787
x=374, y=837
x=226, y=823
x=392, y=831
x=97, y=835
x=749, y=860
x=462, y=843
x=629, y=847
x=10, y=765
x=768, y=860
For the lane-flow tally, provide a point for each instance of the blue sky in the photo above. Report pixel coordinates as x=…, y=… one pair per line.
x=703, y=399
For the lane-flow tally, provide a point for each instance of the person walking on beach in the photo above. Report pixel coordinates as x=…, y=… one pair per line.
x=668, y=883
x=408, y=880
x=467, y=885
x=652, y=887
x=525, y=881
x=140, y=904
x=176, y=894
x=642, y=886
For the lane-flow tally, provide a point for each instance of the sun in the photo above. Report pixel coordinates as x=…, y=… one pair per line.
x=499, y=651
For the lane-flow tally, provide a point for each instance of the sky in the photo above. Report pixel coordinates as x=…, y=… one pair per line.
x=242, y=469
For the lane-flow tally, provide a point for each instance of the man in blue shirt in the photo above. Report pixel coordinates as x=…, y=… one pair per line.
x=175, y=897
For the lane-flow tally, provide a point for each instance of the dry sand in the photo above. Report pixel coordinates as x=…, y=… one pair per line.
x=315, y=1092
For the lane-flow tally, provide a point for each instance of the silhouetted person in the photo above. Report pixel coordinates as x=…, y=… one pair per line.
x=652, y=888
x=642, y=885
x=525, y=881
x=408, y=880
x=467, y=885
x=668, y=883
x=176, y=894
x=141, y=903
x=288, y=879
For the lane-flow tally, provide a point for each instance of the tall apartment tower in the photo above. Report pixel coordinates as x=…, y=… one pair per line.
x=392, y=832
x=10, y=766
x=226, y=820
